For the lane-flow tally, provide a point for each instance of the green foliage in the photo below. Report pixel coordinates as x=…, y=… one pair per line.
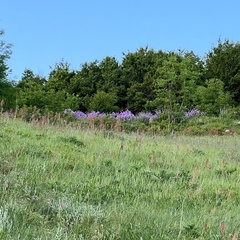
x=140, y=94
x=136, y=66
x=138, y=71
x=136, y=98
x=27, y=77
x=60, y=78
x=5, y=53
x=35, y=91
x=103, y=102
x=8, y=94
x=30, y=90
x=212, y=98
x=7, y=91
x=176, y=84
x=204, y=125
x=84, y=82
x=145, y=81
x=58, y=101
x=223, y=63
x=110, y=75
x=32, y=94
x=36, y=95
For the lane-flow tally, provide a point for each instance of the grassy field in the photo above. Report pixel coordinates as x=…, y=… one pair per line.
x=66, y=183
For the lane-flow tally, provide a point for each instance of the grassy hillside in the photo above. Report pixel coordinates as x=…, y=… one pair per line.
x=68, y=183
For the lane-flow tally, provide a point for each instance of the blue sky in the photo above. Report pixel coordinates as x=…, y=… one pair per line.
x=78, y=31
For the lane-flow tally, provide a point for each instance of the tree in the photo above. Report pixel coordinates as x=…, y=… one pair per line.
x=7, y=92
x=223, y=63
x=212, y=97
x=84, y=83
x=27, y=77
x=60, y=77
x=33, y=91
x=30, y=90
x=139, y=94
x=136, y=65
x=5, y=53
x=103, y=102
x=176, y=84
x=59, y=101
x=138, y=74
x=30, y=93
x=111, y=80
x=110, y=75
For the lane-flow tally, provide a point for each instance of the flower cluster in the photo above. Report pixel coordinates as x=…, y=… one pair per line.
x=124, y=115
x=91, y=115
x=147, y=116
x=80, y=115
x=128, y=115
x=192, y=113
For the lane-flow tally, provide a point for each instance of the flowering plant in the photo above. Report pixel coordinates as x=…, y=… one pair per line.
x=192, y=113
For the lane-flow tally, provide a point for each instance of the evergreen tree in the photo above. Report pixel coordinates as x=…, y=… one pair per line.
x=223, y=63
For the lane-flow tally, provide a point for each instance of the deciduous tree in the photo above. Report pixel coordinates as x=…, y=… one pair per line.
x=176, y=83
x=7, y=92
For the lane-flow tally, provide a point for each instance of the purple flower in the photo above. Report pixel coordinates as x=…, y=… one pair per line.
x=146, y=116
x=192, y=113
x=92, y=115
x=80, y=115
x=102, y=115
x=113, y=115
x=126, y=115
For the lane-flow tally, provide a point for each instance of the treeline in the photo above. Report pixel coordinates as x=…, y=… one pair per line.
x=145, y=81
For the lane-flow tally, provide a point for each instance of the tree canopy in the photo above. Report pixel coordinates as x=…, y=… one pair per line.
x=223, y=62
x=145, y=80
x=7, y=91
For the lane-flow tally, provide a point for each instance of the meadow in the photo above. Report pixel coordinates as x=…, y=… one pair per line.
x=62, y=181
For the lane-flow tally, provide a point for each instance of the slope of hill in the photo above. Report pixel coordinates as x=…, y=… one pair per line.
x=66, y=183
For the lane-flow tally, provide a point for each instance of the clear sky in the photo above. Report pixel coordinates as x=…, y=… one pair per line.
x=44, y=32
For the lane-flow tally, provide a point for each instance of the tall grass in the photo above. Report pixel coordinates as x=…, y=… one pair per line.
x=64, y=182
